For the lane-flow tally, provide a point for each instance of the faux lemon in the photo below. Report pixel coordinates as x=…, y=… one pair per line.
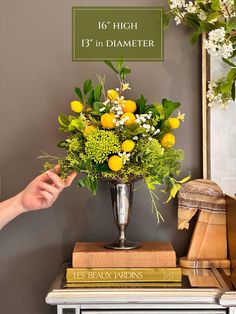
x=115, y=163
x=107, y=120
x=127, y=146
x=88, y=130
x=131, y=118
x=174, y=123
x=168, y=140
x=129, y=106
x=112, y=94
x=76, y=106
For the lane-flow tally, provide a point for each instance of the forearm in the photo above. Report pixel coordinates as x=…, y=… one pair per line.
x=10, y=209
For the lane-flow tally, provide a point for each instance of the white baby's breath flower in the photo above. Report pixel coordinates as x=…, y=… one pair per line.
x=202, y=15
x=181, y=116
x=177, y=4
x=135, y=138
x=106, y=102
x=102, y=109
x=124, y=157
x=178, y=20
x=190, y=7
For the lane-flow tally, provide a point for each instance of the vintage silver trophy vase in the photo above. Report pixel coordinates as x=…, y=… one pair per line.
x=122, y=198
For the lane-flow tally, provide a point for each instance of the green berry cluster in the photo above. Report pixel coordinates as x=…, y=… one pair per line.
x=100, y=144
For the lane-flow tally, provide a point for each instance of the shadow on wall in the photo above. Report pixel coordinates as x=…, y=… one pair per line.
x=24, y=286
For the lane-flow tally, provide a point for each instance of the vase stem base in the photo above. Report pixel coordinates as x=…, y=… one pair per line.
x=123, y=245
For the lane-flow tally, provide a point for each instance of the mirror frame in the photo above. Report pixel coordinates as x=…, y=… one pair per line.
x=206, y=153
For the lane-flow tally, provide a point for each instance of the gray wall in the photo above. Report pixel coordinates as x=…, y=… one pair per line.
x=37, y=78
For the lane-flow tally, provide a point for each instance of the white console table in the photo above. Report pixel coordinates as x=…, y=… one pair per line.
x=142, y=301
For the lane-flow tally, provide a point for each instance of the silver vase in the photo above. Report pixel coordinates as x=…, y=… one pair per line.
x=122, y=198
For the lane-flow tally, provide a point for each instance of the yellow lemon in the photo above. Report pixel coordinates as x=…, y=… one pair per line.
x=129, y=106
x=174, y=123
x=131, y=118
x=127, y=146
x=112, y=94
x=115, y=163
x=88, y=130
x=168, y=140
x=108, y=120
x=76, y=106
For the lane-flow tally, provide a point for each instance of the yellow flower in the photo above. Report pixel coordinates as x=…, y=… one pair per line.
x=76, y=106
x=168, y=140
x=88, y=129
x=125, y=86
x=115, y=163
x=174, y=123
x=127, y=146
x=129, y=106
x=108, y=120
x=129, y=118
x=112, y=94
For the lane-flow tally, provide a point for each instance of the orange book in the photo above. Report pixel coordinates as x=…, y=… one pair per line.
x=151, y=254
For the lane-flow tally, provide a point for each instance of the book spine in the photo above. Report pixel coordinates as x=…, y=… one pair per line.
x=134, y=259
x=123, y=275
x=124, y=285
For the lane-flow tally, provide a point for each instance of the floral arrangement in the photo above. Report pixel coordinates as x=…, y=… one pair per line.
x=216, y=19
x=115, y=138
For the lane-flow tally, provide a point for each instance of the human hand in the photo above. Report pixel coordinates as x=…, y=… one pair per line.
x=43, y=191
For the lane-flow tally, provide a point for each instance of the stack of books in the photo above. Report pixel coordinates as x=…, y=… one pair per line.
x=153, y=265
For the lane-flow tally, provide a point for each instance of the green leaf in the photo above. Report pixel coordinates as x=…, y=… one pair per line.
x=213, y=16
x=185, y=179
x=205, y=7
x=231, y=25
x=233, y=91
x=88, y=86
x=226, y=87
x=175, y=190
x=141, y=102
x=166, y=19
x=102, y=168
x=62, y=144
x=78, y=124
x=231, y=76
x=215, y=5
x=195, y=36
x=229, y=62
x=90, y=99
x=192, y=20
x=169, y=106
x=89, y=183
x=97, y=106
x=124, y=72
x=119, y=64
x=206, y=26
x=97, y=92
x=78, y=92
x=109, y=63
x=95, y=113
x=63, y=120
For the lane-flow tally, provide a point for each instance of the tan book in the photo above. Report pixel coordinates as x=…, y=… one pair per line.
x=123, y=275
x=151, y=254
x=124, y=285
